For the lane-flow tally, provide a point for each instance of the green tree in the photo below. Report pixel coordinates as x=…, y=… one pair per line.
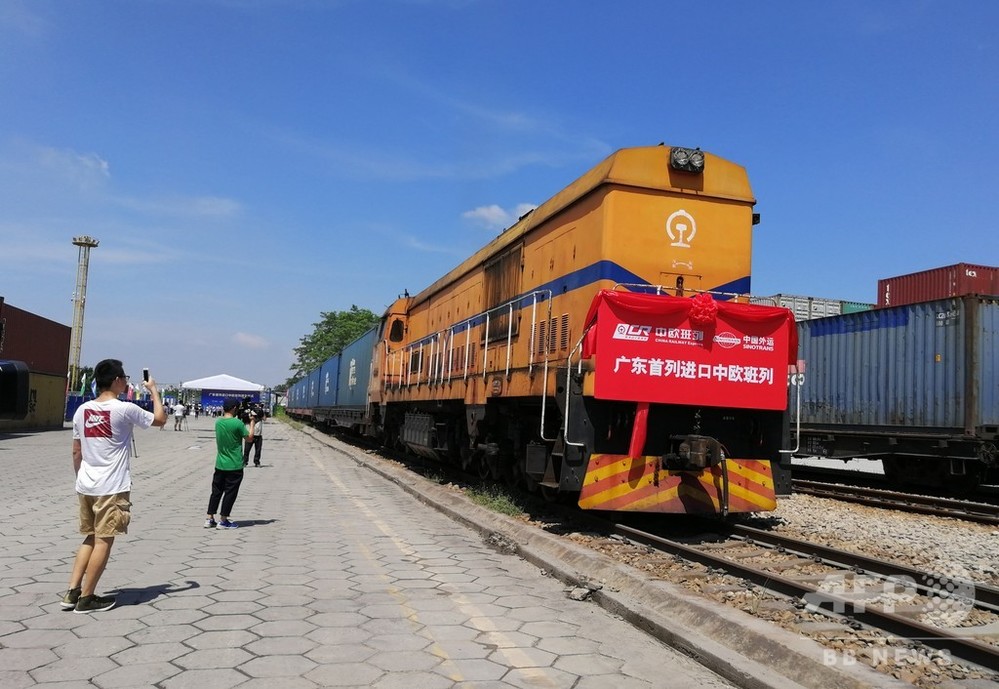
x=334, y=331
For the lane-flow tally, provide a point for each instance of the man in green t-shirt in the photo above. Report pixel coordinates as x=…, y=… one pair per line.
x=229, y=434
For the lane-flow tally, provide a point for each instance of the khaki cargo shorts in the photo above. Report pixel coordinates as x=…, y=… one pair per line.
x=105, y=516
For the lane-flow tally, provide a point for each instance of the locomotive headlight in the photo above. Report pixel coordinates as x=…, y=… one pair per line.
x=686, y=159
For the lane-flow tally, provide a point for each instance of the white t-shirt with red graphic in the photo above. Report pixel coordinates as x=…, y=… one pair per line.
x=104, y=430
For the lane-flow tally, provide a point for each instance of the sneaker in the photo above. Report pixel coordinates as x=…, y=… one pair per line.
x=256, y=464
x=69, y=599
x=94, y=604
x=226, y=524
x=210, y=523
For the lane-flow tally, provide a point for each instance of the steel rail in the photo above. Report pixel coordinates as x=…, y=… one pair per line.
x=918, y=504
x=985, y=596
x=964, y=648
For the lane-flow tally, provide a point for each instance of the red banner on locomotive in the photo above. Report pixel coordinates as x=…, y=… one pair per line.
x=662, y=349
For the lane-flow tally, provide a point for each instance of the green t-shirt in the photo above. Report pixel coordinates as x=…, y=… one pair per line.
x=229, y=434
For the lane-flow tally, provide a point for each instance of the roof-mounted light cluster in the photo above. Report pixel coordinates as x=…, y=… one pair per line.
x=686, y=159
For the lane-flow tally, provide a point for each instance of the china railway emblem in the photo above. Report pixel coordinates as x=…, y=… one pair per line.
x=681, y=228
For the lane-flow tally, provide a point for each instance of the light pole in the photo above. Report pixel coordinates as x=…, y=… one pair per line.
x=79, y=302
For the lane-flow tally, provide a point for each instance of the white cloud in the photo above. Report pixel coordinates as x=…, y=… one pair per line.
x=495, y=217
x=83, y=170
x=248, y=341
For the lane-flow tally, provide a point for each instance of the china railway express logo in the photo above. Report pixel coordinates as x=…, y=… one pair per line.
x=635, y=333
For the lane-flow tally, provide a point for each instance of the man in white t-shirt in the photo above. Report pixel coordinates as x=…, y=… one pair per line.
x=102, y=454
x=178, y=416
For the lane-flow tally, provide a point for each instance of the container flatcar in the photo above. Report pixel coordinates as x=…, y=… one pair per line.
x=348, y=376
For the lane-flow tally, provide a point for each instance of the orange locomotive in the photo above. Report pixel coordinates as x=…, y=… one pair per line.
x=580, y=354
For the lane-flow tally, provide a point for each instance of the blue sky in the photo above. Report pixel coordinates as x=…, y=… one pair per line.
x=248, y=164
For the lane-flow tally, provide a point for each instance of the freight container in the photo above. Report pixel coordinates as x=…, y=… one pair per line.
x=915, y=385
x=312, y=401
x=807, y=308
x=40, y=343
x=856, y=307
x=355, y=370
x=298, y=396
x=938, y=283
x=46, y=405
x=329, y=376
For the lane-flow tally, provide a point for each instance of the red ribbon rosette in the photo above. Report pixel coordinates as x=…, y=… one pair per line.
x=703, y=309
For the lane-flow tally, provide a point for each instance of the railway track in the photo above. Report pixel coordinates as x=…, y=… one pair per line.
x=861, y=590
x=905, y=502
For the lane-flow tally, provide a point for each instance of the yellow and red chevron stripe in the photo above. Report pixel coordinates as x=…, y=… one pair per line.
x=638, y=484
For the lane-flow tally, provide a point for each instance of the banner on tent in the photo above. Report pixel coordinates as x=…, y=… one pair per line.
x=215, y=398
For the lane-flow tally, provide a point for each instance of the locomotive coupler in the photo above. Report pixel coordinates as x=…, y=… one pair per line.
x=692, y=452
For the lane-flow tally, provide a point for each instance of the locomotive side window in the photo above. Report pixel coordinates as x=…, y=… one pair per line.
x=396, y=331
x=503, y=284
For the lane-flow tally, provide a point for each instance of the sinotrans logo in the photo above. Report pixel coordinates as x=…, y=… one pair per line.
x=636, y=333
x=727, y=340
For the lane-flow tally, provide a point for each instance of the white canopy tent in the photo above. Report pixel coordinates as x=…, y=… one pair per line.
x=222, y=382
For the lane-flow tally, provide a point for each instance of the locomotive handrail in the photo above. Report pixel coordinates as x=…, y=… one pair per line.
x=797, y=422
x=442, y=340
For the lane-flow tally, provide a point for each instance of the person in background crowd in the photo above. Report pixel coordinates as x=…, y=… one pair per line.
x=102, y=453
x=178, y=416
x=229, y=434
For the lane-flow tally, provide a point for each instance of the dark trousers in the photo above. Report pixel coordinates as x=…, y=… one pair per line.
x=257, y=444
x=225, y=488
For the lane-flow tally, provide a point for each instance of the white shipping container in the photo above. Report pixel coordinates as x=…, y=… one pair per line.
x=803, y=308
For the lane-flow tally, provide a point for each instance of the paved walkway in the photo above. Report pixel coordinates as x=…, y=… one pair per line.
x=336, y=577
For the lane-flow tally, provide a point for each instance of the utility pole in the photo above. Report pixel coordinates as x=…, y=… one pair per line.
x=79, y=302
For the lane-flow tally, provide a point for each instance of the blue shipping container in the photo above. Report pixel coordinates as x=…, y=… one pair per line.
x=928, y=366
x=312, y=391
x=329, y=373
x=355, y=370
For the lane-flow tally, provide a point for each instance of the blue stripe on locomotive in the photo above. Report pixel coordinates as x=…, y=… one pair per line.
x=595, y=272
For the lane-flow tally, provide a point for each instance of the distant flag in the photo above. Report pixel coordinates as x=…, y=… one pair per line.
x=93, y=386
x=83, y=384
